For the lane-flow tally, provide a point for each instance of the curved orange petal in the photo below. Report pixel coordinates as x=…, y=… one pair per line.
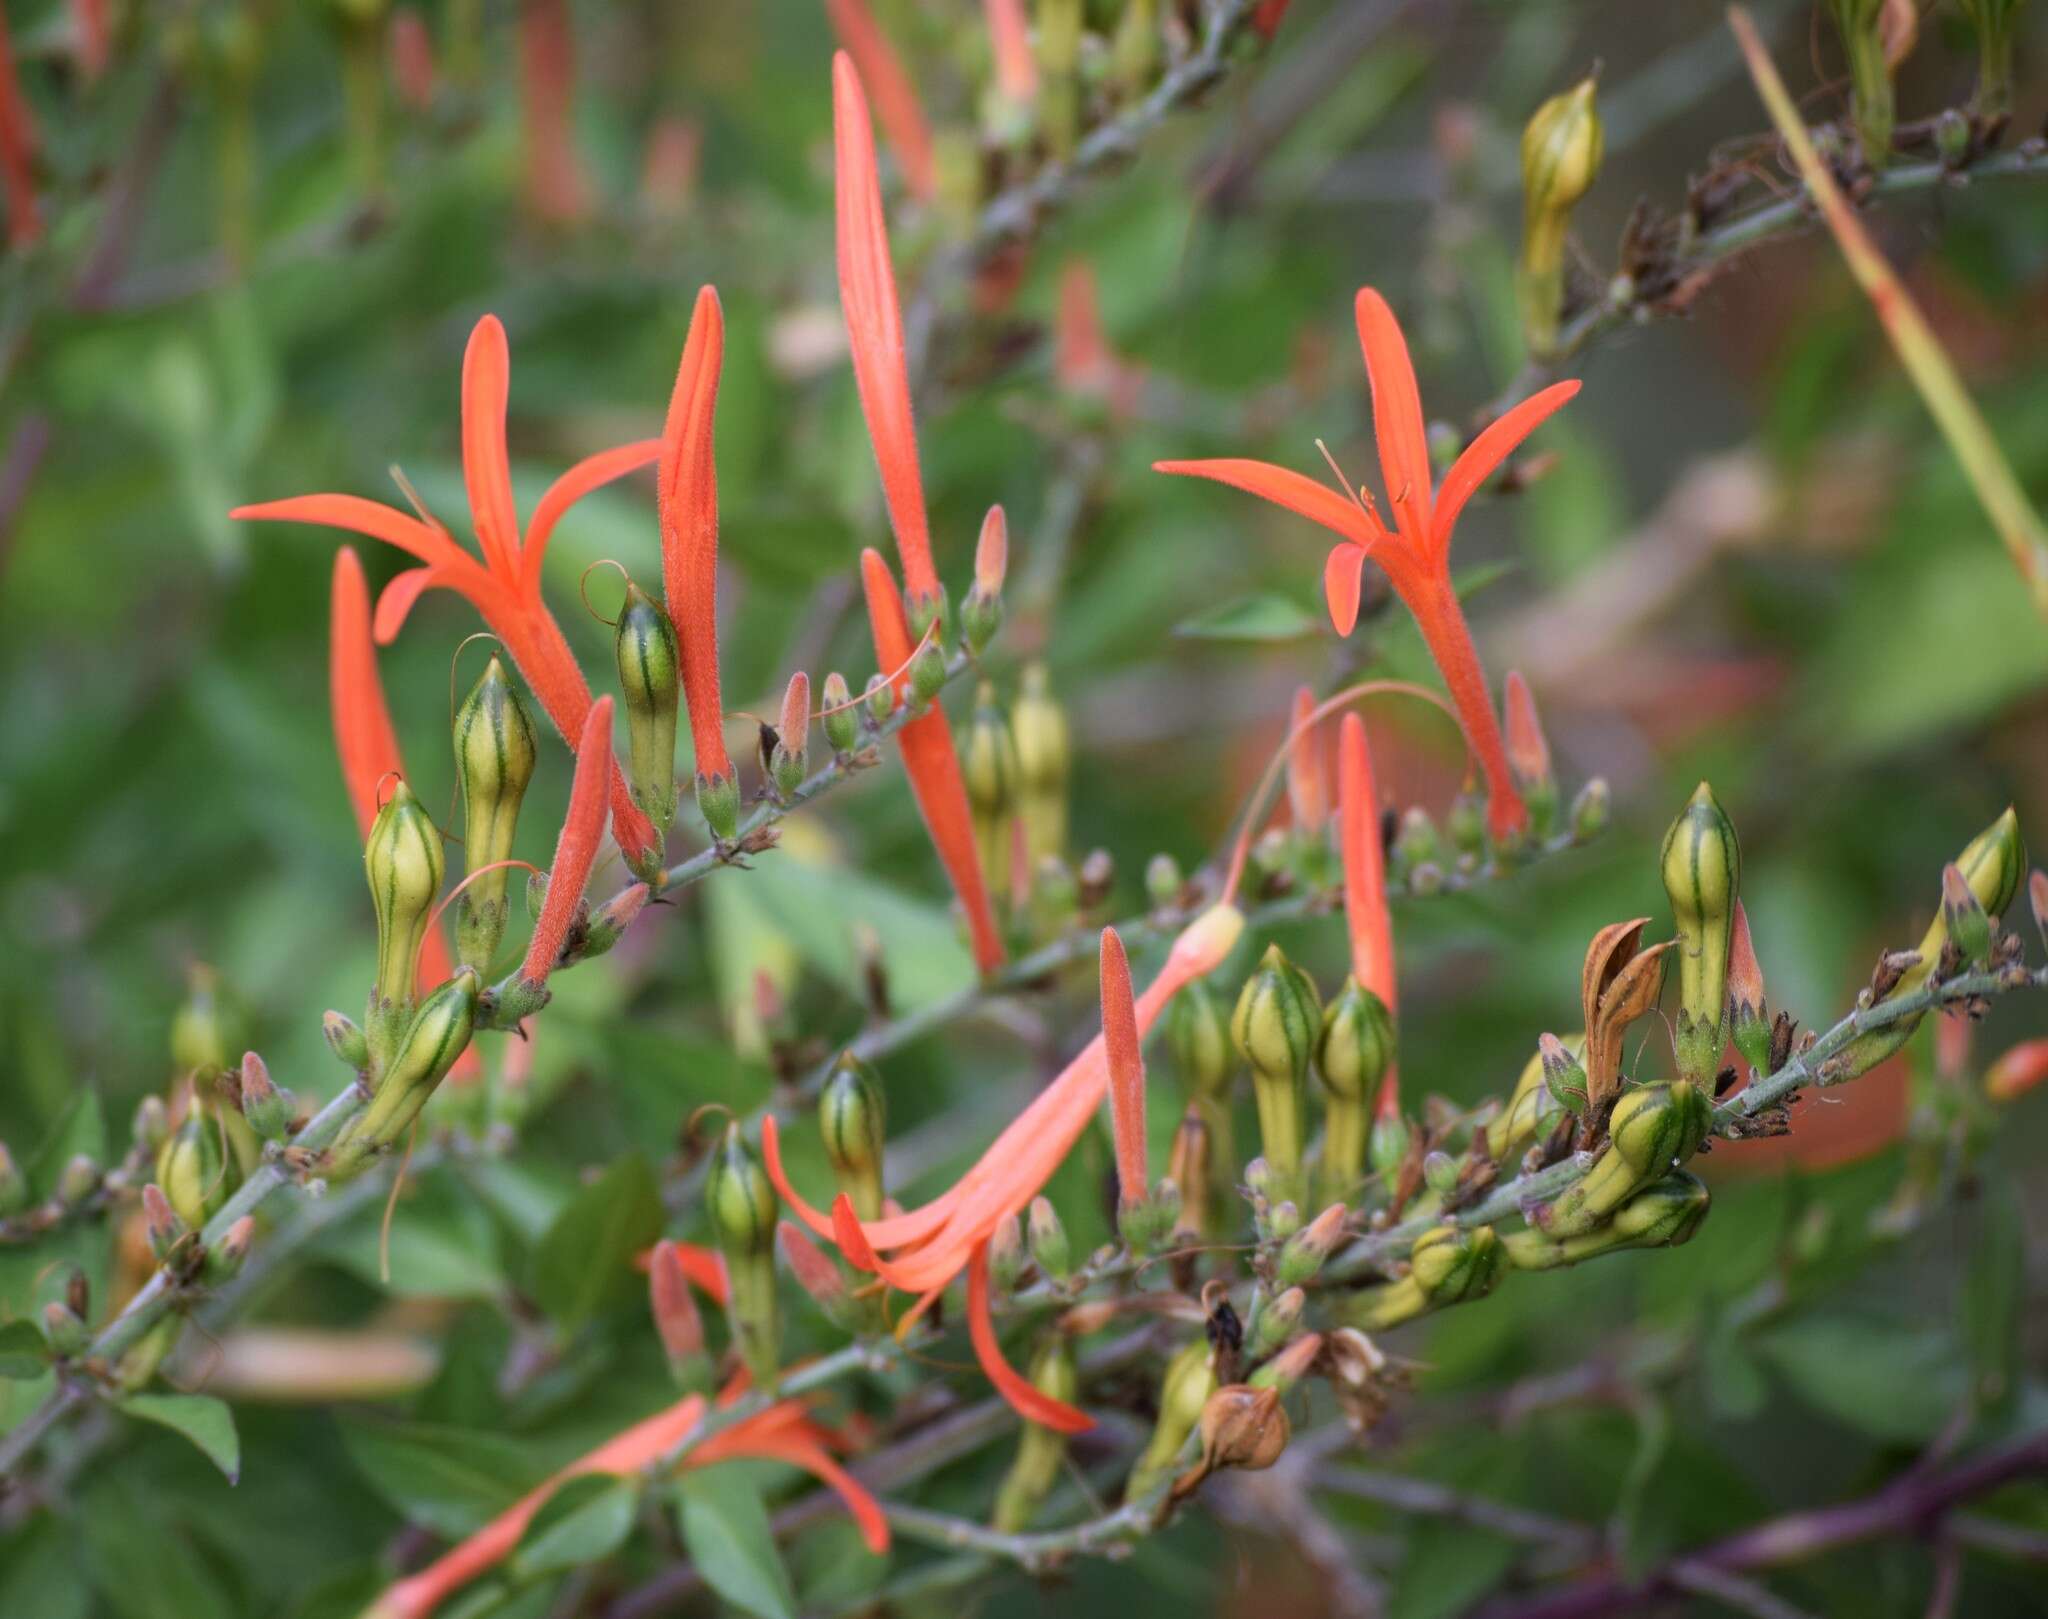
x=1303, y=496
x=396, y=602
x=366, y=517
x=1126, y=1069
x=1308, y=786
x=688, y=498
x=1396, y=415
x=1366, y=916
x=486, y=468
x=1483, y=456
x=363, y=736
x=910, y=137
x=1341, y=570
x=593, y=472
x=576, y=849
x=874, y=326
x=1030, y=1402
x=892, y=1231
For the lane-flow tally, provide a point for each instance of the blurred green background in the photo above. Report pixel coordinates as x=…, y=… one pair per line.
x=1752, y=560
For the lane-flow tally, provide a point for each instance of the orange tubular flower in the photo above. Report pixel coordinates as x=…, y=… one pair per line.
x=910, y=137
x=782, y=1433
x=689, y=531
x=505, y=586
x=1126, y=1070
x=1416, y=550
x=874, y=328
x=555, y=188
x=1366, y=915
x=17, y=151
x=934, y=1244
x=1010, y=40
x=2018, y=1071
x=368, y=746
x=576, y=849
x=1308, y=786
x=932, y=764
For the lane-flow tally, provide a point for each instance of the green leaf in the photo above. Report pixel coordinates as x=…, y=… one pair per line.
x=1993, y=1288
x=725, y=1528
x=1268, y=616
x=1884, y=1379
x=586, y=1258
x=201, y=1418
x=23, y=1354
x=452, y=1480
x=584, y=1521
x=443, y=1252
x=83, y=1129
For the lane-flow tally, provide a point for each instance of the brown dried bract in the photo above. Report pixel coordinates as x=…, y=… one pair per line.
x=1620, y=983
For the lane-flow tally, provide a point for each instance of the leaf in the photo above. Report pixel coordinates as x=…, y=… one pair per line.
x=1889, y=1381
x=1993, y=1288
x=23, y=1353
x=586, y=1258
x=1268, y=616
x=147, y=1569
x=451, y=1480
x=83, y=1129
x=726, y=1531
x=446, y=1253
x=584, y=1521
x=201, y=1418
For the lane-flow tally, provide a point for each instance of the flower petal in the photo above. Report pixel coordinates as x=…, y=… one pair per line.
x=367, y=517
x=892, y=1231
x=874, y=325
x=1396, y=415
x=594, y=472
x=486, y=468
x=1483, y=456
x=910, y=137
x=395, y=604
x=1366, y=916
x=576, y=849
x=1341, y=569
x=1126, y=1069
x=1030, y=1402
x=1303, y=496
x=363, y=736
x=688, y=499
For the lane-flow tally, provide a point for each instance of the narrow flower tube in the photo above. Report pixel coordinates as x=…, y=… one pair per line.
x=867, y=49
x=1367, y=916
x=1010, y=43
x=1126, y=1070
x=688, y=495
x=17, y=151
x=933, y=766
x=1308, y=787
x=576, y=848
x=874, y=329
x=555, y=187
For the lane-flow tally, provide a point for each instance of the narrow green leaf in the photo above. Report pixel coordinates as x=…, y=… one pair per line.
x=201, y=1418
x=726, y=1531
x=586, y=1258
x=1268, y=616
x=586, y=1520
x=23, y=1354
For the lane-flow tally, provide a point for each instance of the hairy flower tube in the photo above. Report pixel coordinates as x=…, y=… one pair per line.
x=1415, y=551
x=504, y=586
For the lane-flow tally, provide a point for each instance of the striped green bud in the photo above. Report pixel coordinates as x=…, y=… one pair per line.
x=1048, y=1239
x=438, y=1034
x=743, y=1207
x=1198, y=1037
x=1993, y=21
x=1386, y=1145
x=1448, y=1265
x=1861, y=24
x=927, y=674
x=881, y=698
x=852, y=1117
x=1561, y=151
x=1354, y=1051
x=1652, y=1131
x=192, y=1169
x=345, y=1038
x=1184, y=1389
x=1040, y=1451
x=1964, y=916
x=842, y=725
x=650, y=684
x=402, y=861
x=1702, y=869
x=1663, y=1214
x=718, y=801
x=1275, y=1028
x=1274, y=1324
x=495, y=753
x=988, y=764
x=1564, y=1074
x=1038, y=725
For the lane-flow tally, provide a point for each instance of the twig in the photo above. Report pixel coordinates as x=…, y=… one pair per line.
x=1733, y=1591
x=1426, y=1498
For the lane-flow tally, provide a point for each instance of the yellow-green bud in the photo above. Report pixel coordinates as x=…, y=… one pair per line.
x=1275, y=1323
x=881, y=698
x=1447, y=1265
x=842, y=725
x=402, y=860
x=78, y=1179
x=1038, y=725
x=1993, y=21
x=1663, y=1214
x=1184, y=1389
x=1702, y=869
x=1386, y=1145
x=1561, y=149
x=1861, y=24
x=718, y=801
x=151, y=1126
x=1275, y=1028
x=927, y=674
x=203, y=1030
x=650, y=684
x=438, y=1034
x=988, y=764
x=1354, y=1052
x=268, y=1110
x=1198, y=1036
x=852, y=1118
x=1657, y=1127
x=495, y=753
x=345, y=1038
x=1040, y=1451
x=743, y=1207
x=1048, y=1239
x=1591, y=806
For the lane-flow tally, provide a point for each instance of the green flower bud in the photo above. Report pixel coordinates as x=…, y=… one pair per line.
x=981, y=616
x=1190, y=1166
x=1466, y=823
x=1038, y=726
x=14, y=1187
x=162, y=1223
x=1055, y=896
x=1416, y=843
x=402, y=860
x=78, y=1179
x=1964, y=916
x=1164, y=880
x=1040, y=1451
x=1561, y=149
x=1440, y=1172
x=1387, y=1145
x=206, y=1027
x=927, y=674
x=1198, y=1037
x=650, y=683
x=743, y=1208
x=1702, y=868
x=1184, y=1389
x=1006, y=1254
x=1564, y=1075
x=1273, y=1325
x=346, y=1039
x=495, y=753
x=1860, y=23
x=64, y=1330
x=192, y=1169
x=1275, y=1028
x=1657, y=1127
x=921, y=612
x=438, y=1034
x=718, y=801
x=842, y=726
x=1048, y=1238
x=881, y=698
x=225, y=1258
x=852, y=1118
x=1591, y=807
x=1448, y=1265
x=151, y=1127
x=1663, y=1214
x=988, y=764
x=790, y=759
x=1302, y=1257
x=268, y=1110
x=1353, y=1054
